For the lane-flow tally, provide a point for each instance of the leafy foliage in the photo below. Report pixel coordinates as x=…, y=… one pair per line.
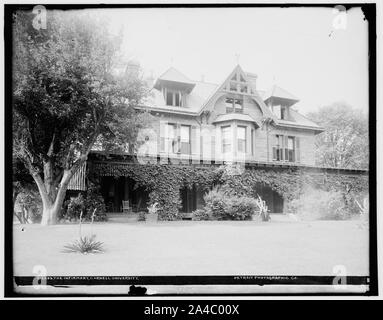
x=344, y=143
x=321, y=205
x=225, y=205
x=201, y=214
x=28, y=205
x=66, y=97
x=163, y=182
x=85, y=202
x=85, y=245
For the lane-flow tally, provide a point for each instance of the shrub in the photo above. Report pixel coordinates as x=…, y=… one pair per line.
x=224, y=205
x=201, y=214
x=141, y=216
x=85, y=202
x=94, y=200
x=215, y=202
x=73, y=207
x=240, y=208
x=315, y=204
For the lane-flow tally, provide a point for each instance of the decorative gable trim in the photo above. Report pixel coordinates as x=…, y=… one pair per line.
x=222, y=89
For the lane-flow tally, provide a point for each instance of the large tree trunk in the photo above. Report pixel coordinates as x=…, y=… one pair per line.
x=53, y=200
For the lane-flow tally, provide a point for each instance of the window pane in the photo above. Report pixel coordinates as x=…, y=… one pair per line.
x=226, y=139
x=291, y=143
x=177, y=102
x=277, y=111
x=238, y=104
x=169, y=98
x=241, y=145
x=276, y=140
x=171, y=131
x=226, y=132
x=229, y=105
x=241, y=133
x=185, y=133
x=283, y=112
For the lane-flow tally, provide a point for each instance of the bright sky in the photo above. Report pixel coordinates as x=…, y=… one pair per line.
x=291, y=47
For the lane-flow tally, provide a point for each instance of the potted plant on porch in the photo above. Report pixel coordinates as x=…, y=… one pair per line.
x=152, y=215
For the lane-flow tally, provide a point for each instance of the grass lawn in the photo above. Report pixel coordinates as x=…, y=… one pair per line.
x=197, y=248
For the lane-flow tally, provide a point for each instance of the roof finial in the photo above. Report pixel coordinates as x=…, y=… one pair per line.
x=237, y=56
x=274, y=79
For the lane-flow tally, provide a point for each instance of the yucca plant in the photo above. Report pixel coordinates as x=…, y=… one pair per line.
x=86, y=244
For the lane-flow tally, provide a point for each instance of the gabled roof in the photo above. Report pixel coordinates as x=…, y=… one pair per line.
x=174, y=76
x=278, y=92
x=266, y=111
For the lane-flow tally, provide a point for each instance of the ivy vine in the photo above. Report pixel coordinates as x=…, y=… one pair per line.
x=164, y=181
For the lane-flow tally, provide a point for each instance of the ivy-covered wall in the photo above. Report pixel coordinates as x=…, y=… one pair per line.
x=164, y=181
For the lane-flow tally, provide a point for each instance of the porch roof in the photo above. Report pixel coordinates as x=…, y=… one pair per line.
x=122, y=168
x=235, y=116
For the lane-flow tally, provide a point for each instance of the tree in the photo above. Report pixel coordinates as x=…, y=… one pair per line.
x=66, y=96
x=344, y=143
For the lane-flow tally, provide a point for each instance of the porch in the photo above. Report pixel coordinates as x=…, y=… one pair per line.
x=116, y=190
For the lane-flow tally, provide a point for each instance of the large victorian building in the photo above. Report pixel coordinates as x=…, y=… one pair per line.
x=205, y=124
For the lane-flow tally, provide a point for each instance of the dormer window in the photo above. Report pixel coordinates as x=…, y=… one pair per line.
x=173, y=98
x=280, y=112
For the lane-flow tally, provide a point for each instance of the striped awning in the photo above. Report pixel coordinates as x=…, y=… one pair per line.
x=77, y=182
